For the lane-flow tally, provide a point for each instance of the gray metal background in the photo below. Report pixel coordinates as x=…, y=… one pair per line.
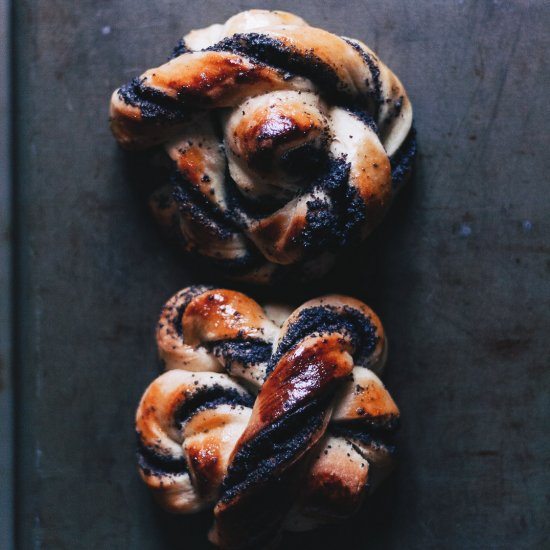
x=459, y=273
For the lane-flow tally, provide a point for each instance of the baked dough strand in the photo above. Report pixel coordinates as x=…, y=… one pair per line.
x=276, y=419
x=286, y=143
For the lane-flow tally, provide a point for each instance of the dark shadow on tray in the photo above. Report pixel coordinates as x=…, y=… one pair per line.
x=182, y=532
x=179, y=532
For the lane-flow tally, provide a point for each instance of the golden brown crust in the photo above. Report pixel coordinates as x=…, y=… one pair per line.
x=203, y=441
x=364, y=397
x=310, y=123
x=301, y=374
x=334, y=487
x=302, y=452
x=224, y=314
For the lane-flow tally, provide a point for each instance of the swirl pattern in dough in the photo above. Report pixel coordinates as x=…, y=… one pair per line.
x=275, y=419
x=286, y=143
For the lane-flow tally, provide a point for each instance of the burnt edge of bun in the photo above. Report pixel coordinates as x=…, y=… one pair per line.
x=324, y=319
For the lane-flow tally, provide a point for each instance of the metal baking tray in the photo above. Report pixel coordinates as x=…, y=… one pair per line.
x=459, y=273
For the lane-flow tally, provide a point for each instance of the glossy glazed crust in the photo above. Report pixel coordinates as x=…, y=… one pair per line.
x=274, y=418
x=288, y=143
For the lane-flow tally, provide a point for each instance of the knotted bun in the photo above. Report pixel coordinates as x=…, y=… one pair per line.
x=287, y=142
x=277, y=420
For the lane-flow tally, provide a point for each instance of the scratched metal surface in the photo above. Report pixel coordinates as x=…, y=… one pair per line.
x=6, y=289
x=459, y=273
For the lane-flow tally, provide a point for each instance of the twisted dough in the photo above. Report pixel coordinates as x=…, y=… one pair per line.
x=277, y=424
x=284, y=138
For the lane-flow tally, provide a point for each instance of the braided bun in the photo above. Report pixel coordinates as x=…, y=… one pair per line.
x=287, y=143
x=275, y=424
